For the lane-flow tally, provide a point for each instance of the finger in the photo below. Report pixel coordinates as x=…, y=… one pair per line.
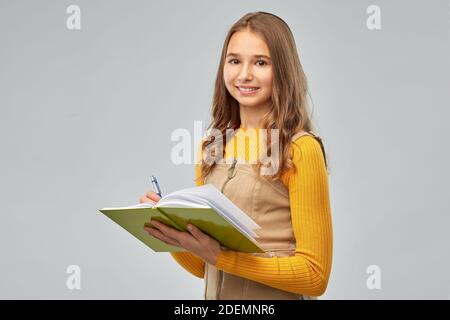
x=160, y=236
x=144, y=199
x=152, y=196
x=201, y=237
x=168, y=231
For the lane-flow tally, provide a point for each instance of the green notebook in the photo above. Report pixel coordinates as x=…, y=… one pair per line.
x=203, y=206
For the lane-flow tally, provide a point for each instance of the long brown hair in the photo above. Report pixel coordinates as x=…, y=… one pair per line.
x=290, y=109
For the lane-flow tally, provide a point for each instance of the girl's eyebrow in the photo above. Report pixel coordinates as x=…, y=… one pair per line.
x=256, y=55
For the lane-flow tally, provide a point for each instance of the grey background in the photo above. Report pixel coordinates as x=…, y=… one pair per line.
x=86, y=117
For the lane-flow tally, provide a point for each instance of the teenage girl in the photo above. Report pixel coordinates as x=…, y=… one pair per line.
x=261, y=84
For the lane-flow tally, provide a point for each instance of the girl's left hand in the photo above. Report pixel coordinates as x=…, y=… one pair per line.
x=195, y=240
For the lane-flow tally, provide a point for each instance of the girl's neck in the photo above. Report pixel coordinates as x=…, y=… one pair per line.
x=251, y=116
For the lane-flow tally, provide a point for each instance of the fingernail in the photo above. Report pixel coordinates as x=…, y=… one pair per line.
x=189, y=227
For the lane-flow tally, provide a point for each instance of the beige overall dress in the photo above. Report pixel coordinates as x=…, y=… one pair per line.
x=268, y=204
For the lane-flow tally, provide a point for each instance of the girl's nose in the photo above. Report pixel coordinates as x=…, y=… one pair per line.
x=245, y=74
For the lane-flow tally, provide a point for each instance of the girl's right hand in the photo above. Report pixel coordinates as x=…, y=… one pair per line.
x=150, y=196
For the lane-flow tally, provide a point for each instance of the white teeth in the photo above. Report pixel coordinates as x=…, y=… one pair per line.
x=247, y=89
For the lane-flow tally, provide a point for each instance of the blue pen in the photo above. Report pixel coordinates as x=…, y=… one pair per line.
x=156, y=186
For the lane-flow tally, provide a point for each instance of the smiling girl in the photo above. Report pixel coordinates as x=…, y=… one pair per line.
x=260, y=84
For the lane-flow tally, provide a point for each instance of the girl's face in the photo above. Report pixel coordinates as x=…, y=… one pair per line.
x=248, y=70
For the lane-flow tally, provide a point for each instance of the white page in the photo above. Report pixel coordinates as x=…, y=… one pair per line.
x=180, y=202
x=208, y=195
x=140, y=205
x=215, y=199
x=214, y=196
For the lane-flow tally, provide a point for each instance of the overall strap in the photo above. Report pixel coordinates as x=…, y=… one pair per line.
x=300, y=134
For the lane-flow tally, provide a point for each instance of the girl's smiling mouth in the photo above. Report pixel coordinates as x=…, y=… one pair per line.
x=247, y=90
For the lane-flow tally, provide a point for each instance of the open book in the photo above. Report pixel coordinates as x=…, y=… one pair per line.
x=203, y=206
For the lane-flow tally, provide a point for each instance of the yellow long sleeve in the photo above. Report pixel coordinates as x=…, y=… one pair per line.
x=190, y=262
x=308, y=271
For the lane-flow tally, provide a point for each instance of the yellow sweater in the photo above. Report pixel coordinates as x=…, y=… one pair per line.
x=308, y=271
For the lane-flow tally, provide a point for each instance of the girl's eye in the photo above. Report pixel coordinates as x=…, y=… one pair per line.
x=259, y=62
x=263, y=63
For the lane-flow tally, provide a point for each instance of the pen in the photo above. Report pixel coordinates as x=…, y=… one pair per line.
x=156, y=186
